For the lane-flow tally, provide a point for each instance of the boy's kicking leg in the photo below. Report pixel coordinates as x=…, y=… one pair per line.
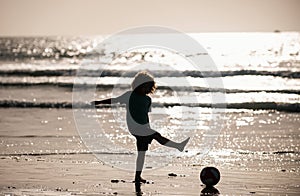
x=166, y=142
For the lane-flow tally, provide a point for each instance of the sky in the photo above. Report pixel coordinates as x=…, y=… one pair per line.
x=94, y=17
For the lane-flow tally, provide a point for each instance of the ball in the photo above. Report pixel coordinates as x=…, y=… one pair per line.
x=210, y=176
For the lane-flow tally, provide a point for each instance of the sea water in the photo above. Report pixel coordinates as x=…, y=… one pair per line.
x=260, y=73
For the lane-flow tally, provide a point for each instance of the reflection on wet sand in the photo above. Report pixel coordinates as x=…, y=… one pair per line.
x=206, y=191
x=138, y=190
x=209, y=190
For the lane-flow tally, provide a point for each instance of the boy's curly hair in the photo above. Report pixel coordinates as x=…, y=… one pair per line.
x=144, y=80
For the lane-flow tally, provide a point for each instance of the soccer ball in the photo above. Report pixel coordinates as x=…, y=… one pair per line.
x=210, y=176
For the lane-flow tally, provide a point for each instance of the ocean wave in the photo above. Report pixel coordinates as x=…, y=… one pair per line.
x=126, y=87
x=122, y=73
x=288, y=107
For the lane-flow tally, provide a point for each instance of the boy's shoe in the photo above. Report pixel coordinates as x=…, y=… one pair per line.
x=182, y=145
x=139, y=180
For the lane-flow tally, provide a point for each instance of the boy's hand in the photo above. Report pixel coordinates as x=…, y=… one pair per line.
x=93, y=103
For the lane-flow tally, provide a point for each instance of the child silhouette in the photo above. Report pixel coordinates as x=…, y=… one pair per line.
x=138, y=104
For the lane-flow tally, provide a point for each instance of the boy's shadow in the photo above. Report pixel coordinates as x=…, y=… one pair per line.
x=209, y=190
x=206, y=191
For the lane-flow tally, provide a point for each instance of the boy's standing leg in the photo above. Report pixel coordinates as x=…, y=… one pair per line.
x=139, y=166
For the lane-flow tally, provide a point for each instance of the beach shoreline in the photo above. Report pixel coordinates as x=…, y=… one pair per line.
x=58, y=163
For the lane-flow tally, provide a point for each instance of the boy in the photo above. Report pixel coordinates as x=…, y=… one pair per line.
x=138, y=105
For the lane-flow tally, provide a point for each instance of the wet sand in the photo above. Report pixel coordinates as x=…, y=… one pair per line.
x=84, y=175
x=41, y=154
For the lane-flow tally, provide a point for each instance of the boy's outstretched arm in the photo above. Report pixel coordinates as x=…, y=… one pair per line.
x=119, y=99
x=104, y=101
